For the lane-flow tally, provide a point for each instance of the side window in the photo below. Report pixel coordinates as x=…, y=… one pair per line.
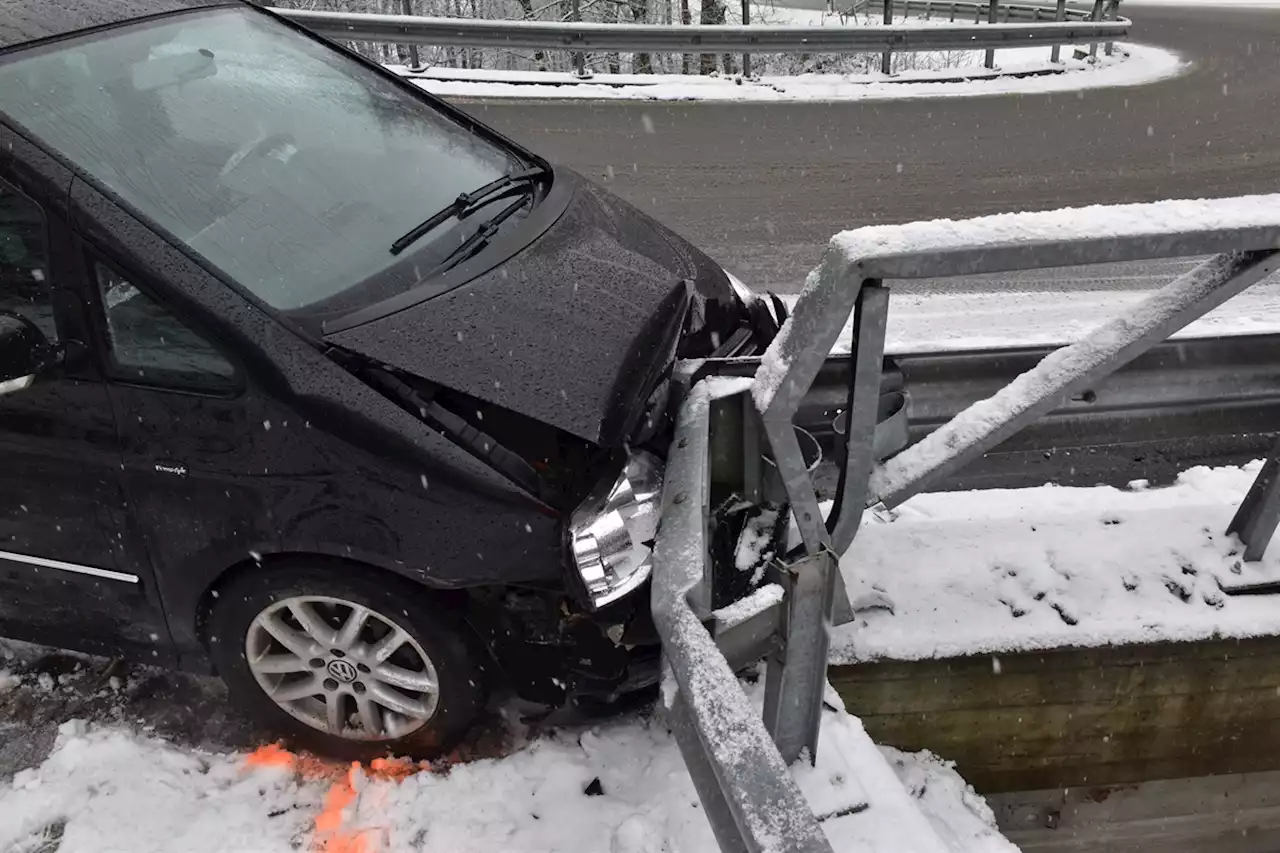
x=24, y=261
x=150, y=345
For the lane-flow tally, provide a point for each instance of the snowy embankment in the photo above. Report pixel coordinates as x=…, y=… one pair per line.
x=999, y=571
x=926, y=74
x=1133, y=65
x=619, y=787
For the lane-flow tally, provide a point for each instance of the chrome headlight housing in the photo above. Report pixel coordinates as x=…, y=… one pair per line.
x=611, y=534
x=754, y=301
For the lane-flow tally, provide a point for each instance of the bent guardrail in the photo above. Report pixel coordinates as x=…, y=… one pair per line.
x=726, y=427
x=1059, y=27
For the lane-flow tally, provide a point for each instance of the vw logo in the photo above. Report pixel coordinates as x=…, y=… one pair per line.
x=343, y=671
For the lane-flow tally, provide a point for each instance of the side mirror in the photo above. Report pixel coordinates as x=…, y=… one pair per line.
x=24, y=352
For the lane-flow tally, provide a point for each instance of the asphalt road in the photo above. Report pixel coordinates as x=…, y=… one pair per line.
x=763, y=186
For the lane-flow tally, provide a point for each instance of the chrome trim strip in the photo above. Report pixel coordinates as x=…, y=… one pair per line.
x=106, y=574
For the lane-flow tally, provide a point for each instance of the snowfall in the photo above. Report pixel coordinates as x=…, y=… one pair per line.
x=943, y=575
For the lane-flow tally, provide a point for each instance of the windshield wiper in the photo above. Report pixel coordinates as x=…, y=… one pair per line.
x=480, y=238
x=466, y=203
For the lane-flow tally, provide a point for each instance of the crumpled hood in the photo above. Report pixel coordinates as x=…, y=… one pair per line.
x=568, y=330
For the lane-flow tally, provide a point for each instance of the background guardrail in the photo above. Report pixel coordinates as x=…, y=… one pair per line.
x=1049, y=26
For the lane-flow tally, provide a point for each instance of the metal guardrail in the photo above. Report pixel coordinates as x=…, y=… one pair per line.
x=725, y=429
x=1185, y=402
x=747, y=792
x=1059, y=28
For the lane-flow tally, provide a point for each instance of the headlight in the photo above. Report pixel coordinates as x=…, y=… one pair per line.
x=612, y=532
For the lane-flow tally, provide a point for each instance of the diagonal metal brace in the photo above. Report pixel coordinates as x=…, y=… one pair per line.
x=1065, y=371
x=1255, y=522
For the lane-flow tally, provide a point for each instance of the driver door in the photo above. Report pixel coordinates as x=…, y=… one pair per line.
x=66, y=575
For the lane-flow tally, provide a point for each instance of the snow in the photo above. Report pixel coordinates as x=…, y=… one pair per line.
x=1050, y=381
x=1132, y=65
x=755, y=544
x=109, y=790
x=959, y=815
x=8, y=680
x=998, y=571
x=772, y=370
x=1068, y=223
x=743, y=609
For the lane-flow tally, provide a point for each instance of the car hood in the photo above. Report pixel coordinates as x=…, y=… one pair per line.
x=575, y=329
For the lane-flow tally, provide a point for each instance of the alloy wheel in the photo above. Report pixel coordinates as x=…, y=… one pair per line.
x=342, y=668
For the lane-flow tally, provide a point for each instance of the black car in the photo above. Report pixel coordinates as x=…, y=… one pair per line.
x=308, y=376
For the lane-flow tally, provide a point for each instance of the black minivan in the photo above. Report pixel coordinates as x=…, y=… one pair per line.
x=307, y=375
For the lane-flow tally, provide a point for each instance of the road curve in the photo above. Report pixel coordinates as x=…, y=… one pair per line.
x=763, y=185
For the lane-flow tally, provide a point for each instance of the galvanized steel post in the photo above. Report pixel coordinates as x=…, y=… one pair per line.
x=886, y=58
x=1098, y=7
x=992, y=16
x=1061, y=15
x=579, y=58
x=1113, y=12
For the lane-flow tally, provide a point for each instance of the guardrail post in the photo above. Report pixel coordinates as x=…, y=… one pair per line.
x=579, y=58
x=797, y=674
x=1256, y=520
x=992, y=15
x=1061, y=15
x=886, y=58
x=1098, y=7
x=1113, y=12
x=414, y=60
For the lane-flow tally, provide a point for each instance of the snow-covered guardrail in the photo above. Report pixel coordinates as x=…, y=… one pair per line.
x=736, y=445
x=1047, y=26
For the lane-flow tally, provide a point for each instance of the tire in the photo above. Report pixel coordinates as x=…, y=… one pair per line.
x=321, y=691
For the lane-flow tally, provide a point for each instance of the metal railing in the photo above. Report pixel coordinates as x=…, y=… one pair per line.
x=1185, y=402
x=1047, y=26
x=736, y=441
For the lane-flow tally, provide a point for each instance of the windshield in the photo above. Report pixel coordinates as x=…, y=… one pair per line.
x=286, y=164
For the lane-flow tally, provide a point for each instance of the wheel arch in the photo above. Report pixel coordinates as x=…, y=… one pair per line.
x=420, y=584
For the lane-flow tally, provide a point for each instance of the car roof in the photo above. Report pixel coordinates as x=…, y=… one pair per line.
x=23, y=21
